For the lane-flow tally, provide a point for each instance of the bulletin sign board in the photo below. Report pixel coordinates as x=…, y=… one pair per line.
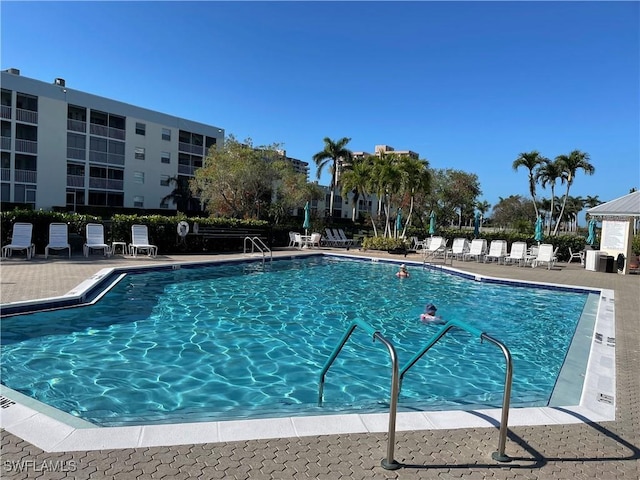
x=614, y=235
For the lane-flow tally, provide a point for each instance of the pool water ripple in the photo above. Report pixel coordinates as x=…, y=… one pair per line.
x=218, y=343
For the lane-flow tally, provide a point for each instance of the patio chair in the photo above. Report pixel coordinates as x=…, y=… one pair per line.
x=314, y=241
x=292, y=238
x=20, y=240
x=437, y=247
x=579, y=255
x=477, y=250
x=95, y=240
x=140, y=241
x=58, y=238
x=517, y=254
x=459, y=248
x=497, y=251
x=546, y=255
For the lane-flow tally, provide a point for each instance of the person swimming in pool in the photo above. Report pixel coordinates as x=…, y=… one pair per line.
x=429, y=314
x=403, y=272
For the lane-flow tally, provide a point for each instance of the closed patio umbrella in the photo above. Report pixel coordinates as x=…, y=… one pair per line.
x=591, y=239
x=476, y=226
x=307, y=220
x=538, y=233
x=432, y=223
x=399, y=222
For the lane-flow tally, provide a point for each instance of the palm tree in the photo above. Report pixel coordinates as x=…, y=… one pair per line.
x=333, y=153
x=181, y=194
x=415, y=178
x=570, y=165
x=356, y=181
x=549, y=172
x=531, y=161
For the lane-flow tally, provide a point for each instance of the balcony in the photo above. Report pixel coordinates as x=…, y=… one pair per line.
x=27, y=116
x=115, y=159
x=6, y=112
x=26, y=146
x=117, y=133
x=76, y=153
x=76, y=125
x=105, y=183
x=6, y=143
x=101, y=130
x=75, y=181
x=100, y=157
x=26, y=176
x=5, y=174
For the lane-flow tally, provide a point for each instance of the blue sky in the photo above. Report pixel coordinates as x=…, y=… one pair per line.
x=467, y=85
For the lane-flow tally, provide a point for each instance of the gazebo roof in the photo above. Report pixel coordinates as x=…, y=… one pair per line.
x=626, y=206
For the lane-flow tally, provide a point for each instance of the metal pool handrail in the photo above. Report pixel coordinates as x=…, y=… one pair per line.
x=389, y=463
x=257, y=243
x=500, y=456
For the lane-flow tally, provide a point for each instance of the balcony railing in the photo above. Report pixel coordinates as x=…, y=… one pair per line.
x=105, y=131
x=115, y=159
x=95, y=156
x=26, y=176
x=26, y=146
x=105, y=183
x=6, y=112
x=5, y=174
x=186, y=169
x=76, y=125
x=6, y=143
x=76, y=153
x=28, y=116
x=188, y=147
x=75, y=181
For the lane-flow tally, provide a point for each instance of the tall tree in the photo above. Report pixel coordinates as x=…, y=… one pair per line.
x=356, y=180
x=333, y=154
x=571, y=163
x=530, y=161
x=549, y=173
x=235, y=178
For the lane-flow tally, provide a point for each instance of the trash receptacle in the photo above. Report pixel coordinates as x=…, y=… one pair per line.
x=620, y=262
x=610, y=261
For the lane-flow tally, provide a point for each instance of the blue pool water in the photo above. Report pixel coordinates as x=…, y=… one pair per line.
x=234, y=341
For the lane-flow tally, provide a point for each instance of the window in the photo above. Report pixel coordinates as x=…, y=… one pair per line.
x=166, y=134
x=141, y=128
x=140, y=153
x=138, y=177
x=5, y=195
x=164, y=204
x=165, y=157
x=164, y=180
x=138, y=201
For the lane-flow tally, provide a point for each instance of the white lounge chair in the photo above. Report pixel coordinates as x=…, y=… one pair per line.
x=342, y=237
x=140, y=241
x=95, y=240
x=517, y=254
x=58, y=238
x=497, y=251
x=477, y=250
x=20, y=240
x=437, y=247
x=546, y=255
x=292, y=238
x=459, y=248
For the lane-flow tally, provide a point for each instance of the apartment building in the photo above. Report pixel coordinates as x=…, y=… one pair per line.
x=61, y=147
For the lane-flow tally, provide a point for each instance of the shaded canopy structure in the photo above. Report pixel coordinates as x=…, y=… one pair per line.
x=627, y=206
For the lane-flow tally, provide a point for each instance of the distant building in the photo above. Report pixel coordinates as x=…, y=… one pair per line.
x=66, y=148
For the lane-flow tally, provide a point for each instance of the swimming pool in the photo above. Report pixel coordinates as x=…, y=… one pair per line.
x=234, y=341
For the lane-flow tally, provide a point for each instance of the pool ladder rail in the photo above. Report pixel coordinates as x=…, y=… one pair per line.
x=257, y=244
x=398, y=374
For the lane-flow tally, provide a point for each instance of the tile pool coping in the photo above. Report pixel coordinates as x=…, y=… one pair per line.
x=56, y=431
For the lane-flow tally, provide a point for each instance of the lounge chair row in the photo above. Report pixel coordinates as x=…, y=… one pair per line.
x=461, y=249
x=21, y=240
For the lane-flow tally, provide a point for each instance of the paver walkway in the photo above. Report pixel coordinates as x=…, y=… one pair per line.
x=609, y=450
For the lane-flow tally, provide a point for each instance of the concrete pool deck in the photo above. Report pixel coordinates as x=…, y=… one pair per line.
x=427, y=449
